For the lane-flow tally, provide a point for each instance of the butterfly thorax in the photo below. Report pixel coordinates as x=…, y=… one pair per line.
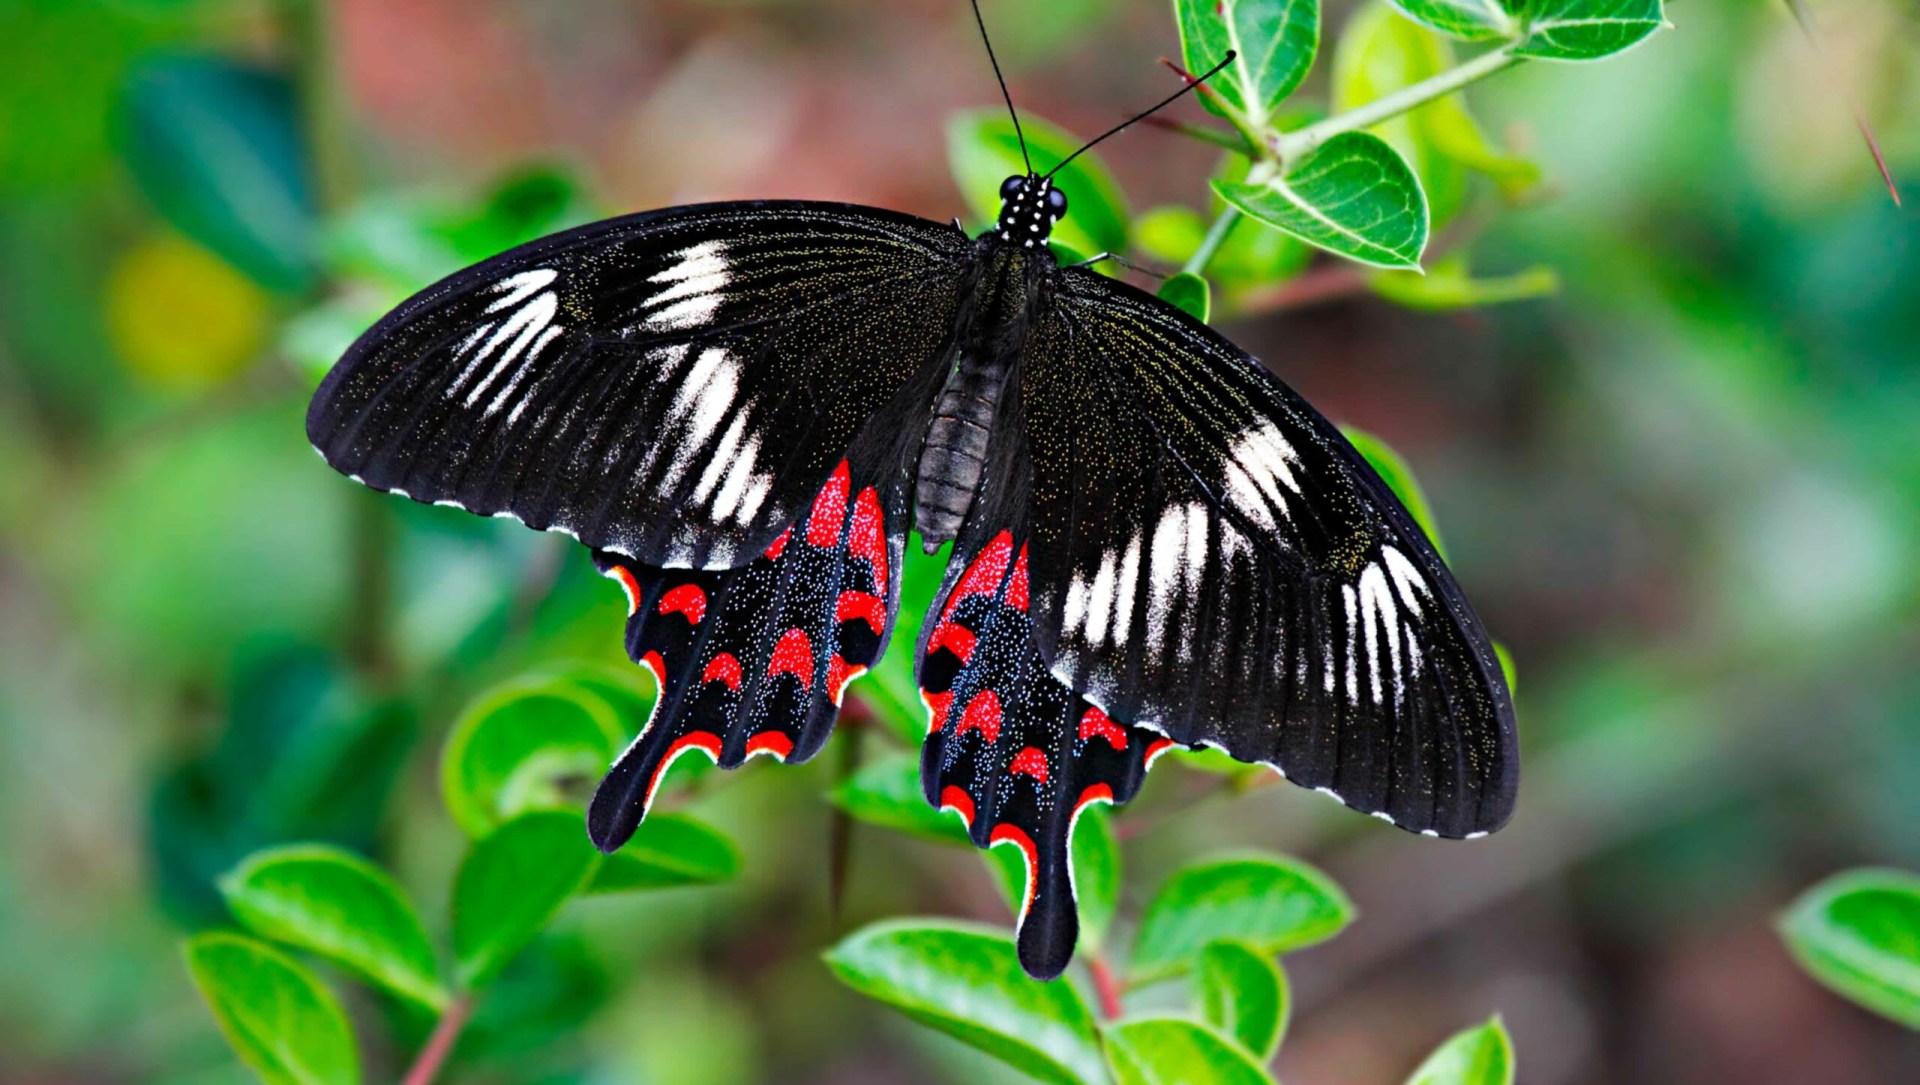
x=997, y=306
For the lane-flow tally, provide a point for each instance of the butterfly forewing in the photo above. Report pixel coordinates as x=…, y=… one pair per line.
x=673, y=386
x=1212, y=560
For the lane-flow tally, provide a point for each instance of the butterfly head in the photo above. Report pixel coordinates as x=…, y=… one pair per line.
x=1029, y=206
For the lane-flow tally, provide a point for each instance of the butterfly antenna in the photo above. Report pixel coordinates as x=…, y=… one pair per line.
x=991, y=59
x=1145, y=113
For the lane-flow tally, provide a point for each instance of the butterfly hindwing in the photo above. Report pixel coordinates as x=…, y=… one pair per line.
x=756, y=659
x=672, y=386
x=1009, y=747
x=1210, y=559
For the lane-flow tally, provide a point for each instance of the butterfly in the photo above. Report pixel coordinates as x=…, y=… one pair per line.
x=743, y=408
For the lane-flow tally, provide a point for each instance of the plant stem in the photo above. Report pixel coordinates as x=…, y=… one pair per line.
x=1210, y=244
x=439, y=1045
x=1291, y=145
x=1232, y=141
x=1105, y=987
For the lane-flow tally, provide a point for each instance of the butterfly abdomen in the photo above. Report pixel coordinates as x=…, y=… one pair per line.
x=954, y=455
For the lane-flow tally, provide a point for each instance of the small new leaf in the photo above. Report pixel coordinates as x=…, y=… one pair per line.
x=1353, y=195
x=341, y=907
x=275, y=1013
x=1478, y=1056
x=1190, y=293
x=1859, y=934
x=1243, y=995
x=966, y=981
x=1585, y=29
x=1275, y=40
x=1169, y=1051
x=511, y=883
x=1272, y=904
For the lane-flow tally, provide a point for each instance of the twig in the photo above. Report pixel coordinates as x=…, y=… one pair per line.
x=1210, y=244
x=1316, y=286
x=1232, y=141
x=1105, y=986
x=1805, y=18
x=1291, y=145
x=439, y=1045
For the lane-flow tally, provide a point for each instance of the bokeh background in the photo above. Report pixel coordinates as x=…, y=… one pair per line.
x=1685, y=492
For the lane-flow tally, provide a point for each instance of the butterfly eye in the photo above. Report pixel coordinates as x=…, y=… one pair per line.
x=1056, y=202
x=1010, y=186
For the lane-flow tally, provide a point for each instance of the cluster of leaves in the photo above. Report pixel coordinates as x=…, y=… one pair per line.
x=1859, y=934
x=1368, y=174
x=504, y=774
x=1216, y=925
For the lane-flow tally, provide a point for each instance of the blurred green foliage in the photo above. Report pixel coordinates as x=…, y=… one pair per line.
x=1684, y=490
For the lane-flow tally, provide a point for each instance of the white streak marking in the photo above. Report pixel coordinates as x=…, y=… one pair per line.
x=1353, y=630
x=1169, y=537
x=1406, y=578
x=721, y=460
x=694, y=296
x=741, y=474
x=1128, y=586
x=1100, y=601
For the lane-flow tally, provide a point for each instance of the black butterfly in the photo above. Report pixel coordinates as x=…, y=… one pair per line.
x=742, y=408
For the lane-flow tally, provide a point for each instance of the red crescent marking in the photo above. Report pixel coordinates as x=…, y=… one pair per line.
x=1018, y=836
x=1094, y=793
x=1017, y=586
x=839, y=673
x=1154, y=749
x=793, y=655
x=983, y=576
x=1096, y=722
x=658, y=666
x=829, y=513
x=705, y=741
x=860, y=604
x=868, y=536
x=686, y=599
x=619, y=574
x=779, y=545
x=725, y=668
x=770, y=742
x=938, y=704
x=955, y=799
x=982, y=714
x=957, y=639
x=1029, y=762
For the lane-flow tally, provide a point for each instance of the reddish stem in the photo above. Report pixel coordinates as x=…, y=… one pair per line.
x=1189, y=77
x=1314, y=287
x=1105, y=986
x=432, y=1057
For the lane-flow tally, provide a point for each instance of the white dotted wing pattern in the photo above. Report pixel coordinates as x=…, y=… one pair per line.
x=1211, y=560
x=672, y=386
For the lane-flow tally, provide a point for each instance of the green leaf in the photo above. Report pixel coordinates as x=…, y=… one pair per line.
x=1275, y=40
x=1859, y=934
x=274, y=1012
x=1243, y=995
x=1584, y=29
x=1468, y=20
x=217, y=148
x=1380, y=53
x=888, y=793
x=1169, y=1051
x=1507, y=669
x=1478, y=1056
x=338, y=905
x=1449, y=286
x=1189, y=292
x=1095, y=853
x=1353, y=195
x=983, y=151
x=516, y=745
x=966, y=981
x=510, y=885
x=1393, y=470
x=1273, y=904
x=668, y=851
